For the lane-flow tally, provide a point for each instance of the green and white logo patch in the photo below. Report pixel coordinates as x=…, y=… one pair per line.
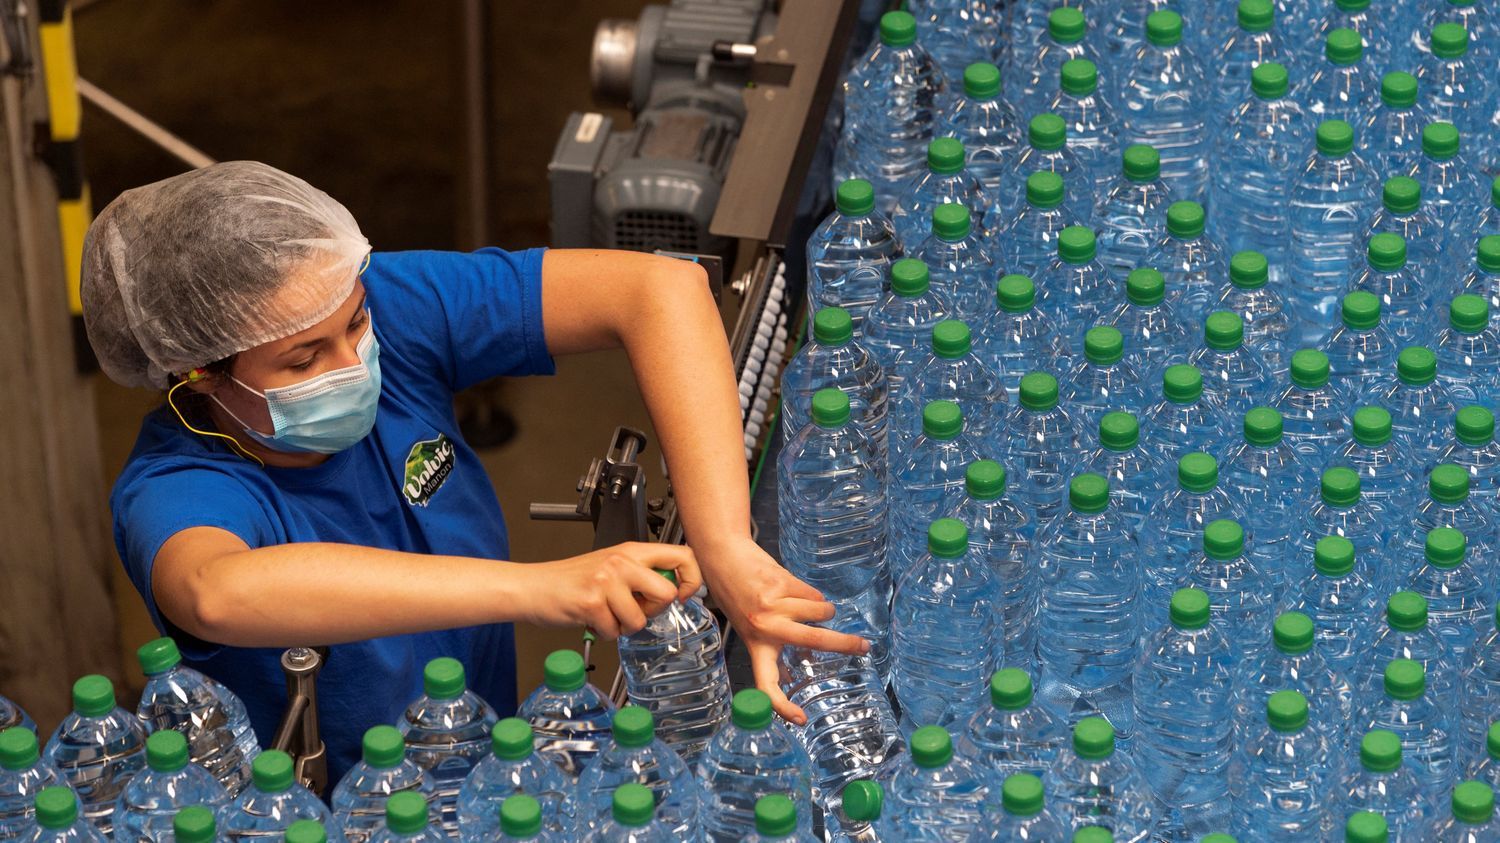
x=427, y=468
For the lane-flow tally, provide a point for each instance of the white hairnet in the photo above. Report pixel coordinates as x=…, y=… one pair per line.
x=195, y=268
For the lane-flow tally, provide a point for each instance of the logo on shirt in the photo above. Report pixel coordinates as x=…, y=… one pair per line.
x=427, y=468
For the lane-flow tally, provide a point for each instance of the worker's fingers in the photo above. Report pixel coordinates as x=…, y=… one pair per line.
x=655, y=592
x=817, y=638
x=689, y=580
x=602, y=621
x=764, y=666
x=799, y=589
x=805, y=611
x=628, y=614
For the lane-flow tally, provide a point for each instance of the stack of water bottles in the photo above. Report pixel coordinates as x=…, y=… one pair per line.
x=1156, y=448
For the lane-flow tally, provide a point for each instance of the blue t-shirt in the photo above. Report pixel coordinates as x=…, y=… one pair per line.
x=444, y=321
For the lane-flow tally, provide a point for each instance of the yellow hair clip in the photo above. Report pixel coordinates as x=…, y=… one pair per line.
x=194, y=376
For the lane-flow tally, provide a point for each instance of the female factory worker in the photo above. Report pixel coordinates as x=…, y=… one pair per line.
x=306, y=483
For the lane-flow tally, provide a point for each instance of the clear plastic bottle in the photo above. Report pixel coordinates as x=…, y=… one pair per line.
x=892, y=99
x=1257, y=150
x=1046, y=149
x=1452, y=184
x=1255, y=42
x=1232, y=372
x=1137, y=477
x=1390, y=135
x=1484, y=279
x=1341, y=601
x=958, y=262
x=1468, y=351
x=1103, y=381
x=1361, y=352
x=1408, y=706
x=1087, y=628
x=1458, y=82
x=1343, y=85
x=634, y=754
x=1022, y=816
x=1467, y=13
x=929, y=483
x=1422, y=411
x=1402, y=214
x=1075, y=286
x=1171, y=538
x=1482, y=224
x=59, y=819
x=1028, y=243
x=956, y=32
x=1019, y=337
x=23, y=774
x=1473, y=448
x=12, y=715
x=1342, y=510
x=98, y=748
x=1187, y=419
x=1013, y=734
x=747, y=759
x=1269, y=327
x=1406, y=635
x=946, y=181
x=195, y=824
x=835, y=359
x=1267, y=481
x=1332, y=196
x=1092, y=124
x=1448, y=504
x=1035, y=82
x=1452, y=581
x=1404, y=298
x=932, y=793
x=633, y=819
x=1182, y=691
x=985, y=123
x=447, y=732
x=1000, y=533
x=406, y=821
x=144, y=811
x=1471, y=817
x=1487, y=768
x=359, y=799
x=1381, y=785
x=1125, y=30
x=850, y=252
x=1039, y=442
x=1291, y=662
x=1242, y=594
x=1314, y=408
x=1150, y=324
x=1481, y=693
x=1131, y=212
x=898, y=329
x=1284, y=776
x=271, y=803
x=1164, y=101
x=1192, y=264
x=1093, y=784
x=208, y=714
x=1387, y=470
x=570, y=717
x=1358, y=15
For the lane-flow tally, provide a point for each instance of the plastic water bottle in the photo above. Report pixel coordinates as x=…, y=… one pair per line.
x=1484, y=279
x=1485, y=224
x=1023, y=816
x=1457, y=81
x=1242, y=594
x=1267, y=480
x=633, y=819
x=1342, y=510
x=1187, y=419
x=12, y=715
x=1076, y=286
x=892, y=99
x=985, y=123
x=1473, y=17
x=1404, y=298
x=1314, y=408
x=1028, y=243
x=1235, y=374
x=208, y=714
x=1164, y=101
x=1390, y=133
x=98, y=748
x=932, y=794
x=1000, y=534
x=1135, y=474
x=1269, y=327
x=1093, y=784
x=1361, y=352
x=1369, y=23
x=447, y=732
x=1019, y=336
x=1406, y=635
x=1487, y=769
x=1039, y=442
x=1387, y=470
x=634, y=754
x=144, y=811
x=1452, y=184
x=959, y=264
x=1013, y=734
x=1126, y=28
x=1456, y=591
x=1149, y=324
x=1046, y=149
x=898, y=329
x=1448, y=504
x=512, y=767
x=271, y=803
x=1087, y=638
x=1283, y=778
x=674, y=667
x=1291, y=662
x=850, y=252
x=1402, y=214
x=359, y=799
x=750, y=758
x=1256, y=152
x=1473, y=448
x=1255, y=42
x=1331, y=198
x=1422, y=411
x=945, y=182
x=1104, y=380
x=834, y=359
x=1471, y=818
x=1468, y=351
x=1184, y=732
x=1091, y=120
x=406, y=820
x=23, y=774
x=59, y=820
x=1408, y=707
x=956, y=32
x=1036, y=81
x=952, y=371
x=1383, y=786
x=929, y=483
x=571, y=718
x=1131, y=212
x=851, y=731
x=1192, y=265
x=1340, y=599
x=1481, y=688
x=1343, y=85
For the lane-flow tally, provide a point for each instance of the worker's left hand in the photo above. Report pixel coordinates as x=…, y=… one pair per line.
x=770, y=608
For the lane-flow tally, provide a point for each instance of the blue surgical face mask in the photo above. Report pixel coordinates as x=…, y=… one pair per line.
x=325, y=414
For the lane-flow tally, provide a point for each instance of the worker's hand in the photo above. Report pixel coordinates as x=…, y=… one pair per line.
x=770, y=609
x=612, y=591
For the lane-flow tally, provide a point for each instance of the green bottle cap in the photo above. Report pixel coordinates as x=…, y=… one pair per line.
x=56, y=808
x=1015, y=294
x=1223, y=331
x=271, y=771
x=1292, y=633
x=158, y=656
x=633, y=805
x=1185, y=219
x=1372, y=426
x=1164, y=28
x=1404, y=679
x=1474, y=426
x=1268, y=80
x=1189, y=609
x=947, y=538
x=1255, y=15
x=1495, y=193
x=981, y=81
x=18, y=749
x=93, y=695
x=1119, y=431
x=1366, y=827
x=1066, y=25
x=511, y=739
x=1352, y=5
x=950, y=222
x=382, y=747
x=1402, y=195
x=1249, y=270
x=1145, y=287
x=1398, y=89
x=1492, y=739
x=951, y=339
x=1103, y=345
x=984, y=480
x=1343, y=47
x=306, y=831
x=830, y=408
x=166, y=751
x=945, y=156
x=1487, y=255
x=1468, y=314
x=1333, y=556
x=1044, y=189
x=1141, y=163
x=1262, y=427
x=1340, y=486
x=1445, y=547
x=1093, y=834
x=1047, y=131
x=1038, y=392
x=1360, y=310
x=863, y=800
x=1335, y=138
x=1182, y=384
x=1223, y=539
x=520, y=816
x=1449, y=40
x=1197, y=472
x=1416, y=365
x=1010, y=689
x=1406, y=611
x=909, y=277
x=1387, y=251
x=193, y=824
x=897, y=29
x=564, y=670
x=931, y=747
x=1310, y=368
x=1094, y=738
x=1075, y=245
x=750, y=709
x=1286, y=711
x=854, y=198
x=832, y=327
x=1218, y=838
x=1088, y=493
x=1021, y=795
x=942, y=420
x=775, y=816
x=1078, y=77
x=1448, y=484
x=406, y=812
x=443, y=678
x=1380, y=751
x=1473, y=803
x=1440, y=141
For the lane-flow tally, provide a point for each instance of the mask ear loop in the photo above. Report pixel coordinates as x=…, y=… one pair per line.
x=366, y=265
x=192, y=377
